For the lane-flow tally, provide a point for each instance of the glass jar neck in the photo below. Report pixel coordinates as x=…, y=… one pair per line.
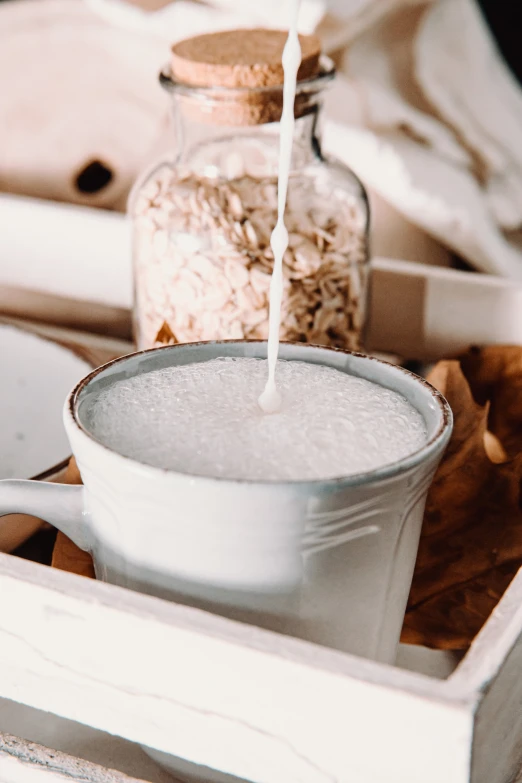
x=231, y=151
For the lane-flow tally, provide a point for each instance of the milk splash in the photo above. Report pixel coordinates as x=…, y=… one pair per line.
x=270, y=399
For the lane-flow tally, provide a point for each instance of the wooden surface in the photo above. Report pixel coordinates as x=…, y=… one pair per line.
x=237, y=696
x=226, y=695
x=499, y=723
x=27, y=762
x=252, y=702
x=95, y=349
x=431, y=313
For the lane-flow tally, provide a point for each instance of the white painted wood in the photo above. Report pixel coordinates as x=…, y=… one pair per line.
x=244, y=700
x=65, y=252
x=497, y=743
x=486, y=656
x=493, y=668
x=27, y=762
x=252, y=702
x=427, y=312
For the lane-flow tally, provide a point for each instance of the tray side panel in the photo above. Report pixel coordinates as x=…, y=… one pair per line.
x=428, y=313
x=497, y=743
x=196, y=686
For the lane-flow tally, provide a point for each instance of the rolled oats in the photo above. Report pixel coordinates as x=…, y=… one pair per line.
x=203, y=261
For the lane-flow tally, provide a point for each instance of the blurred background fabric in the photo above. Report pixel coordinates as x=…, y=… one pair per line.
x=427, y=108
x=505, y=21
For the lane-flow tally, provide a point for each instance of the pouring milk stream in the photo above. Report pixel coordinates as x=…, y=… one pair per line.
x=270, y=399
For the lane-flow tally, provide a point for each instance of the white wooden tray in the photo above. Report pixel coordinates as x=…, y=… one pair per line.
x=427, y=312
x=258, y=705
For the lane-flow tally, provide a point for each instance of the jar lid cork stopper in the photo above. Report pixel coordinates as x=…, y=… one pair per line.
x=240, y=59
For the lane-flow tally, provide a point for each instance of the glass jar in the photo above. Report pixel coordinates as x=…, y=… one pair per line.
x=203, y=216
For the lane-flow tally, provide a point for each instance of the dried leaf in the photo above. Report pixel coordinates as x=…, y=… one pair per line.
x=471, y=542
x=165, y=335
x=495, y=373
x=494, y=448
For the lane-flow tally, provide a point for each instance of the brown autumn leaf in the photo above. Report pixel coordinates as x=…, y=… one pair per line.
x=471, y=542
x=495, y=373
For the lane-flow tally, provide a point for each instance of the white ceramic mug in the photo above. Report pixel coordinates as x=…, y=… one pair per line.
x=328, y=561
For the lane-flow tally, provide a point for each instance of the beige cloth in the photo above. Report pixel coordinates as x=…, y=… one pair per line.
x=436, y=122
x=429, y=119
x=73, y=91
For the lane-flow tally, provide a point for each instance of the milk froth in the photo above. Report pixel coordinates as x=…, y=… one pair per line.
x=204, y=419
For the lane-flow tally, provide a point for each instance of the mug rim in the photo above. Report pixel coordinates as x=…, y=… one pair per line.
x=438, y=440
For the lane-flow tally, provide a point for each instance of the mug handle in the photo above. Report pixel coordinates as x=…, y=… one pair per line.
x=62, y=505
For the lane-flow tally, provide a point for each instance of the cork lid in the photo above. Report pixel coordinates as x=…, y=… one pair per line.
x=240, y=59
